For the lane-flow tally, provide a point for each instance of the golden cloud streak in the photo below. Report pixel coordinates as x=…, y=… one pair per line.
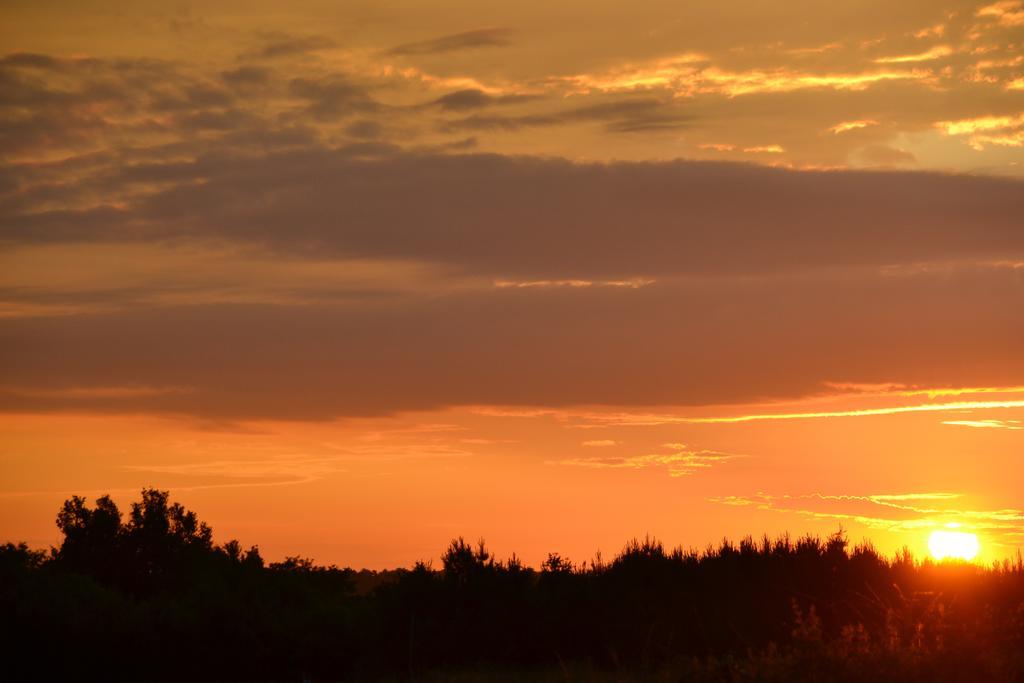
x=684, y=75
x=662, y=73
x=986, y=424
x=1005, y=521
x=936, y=30
x=861, y=412
x=634, y=283
x=987, y=130
x=980, y=124
x=756, y=149
x=999, y=63
x=936, y=52
x=817, y=50
x=1007, y=12
x=594, y=419
x=1009, y=140
x=845, y=126
x=628, y=419
x=780, y=81
x=903, y=390
x=679, y=464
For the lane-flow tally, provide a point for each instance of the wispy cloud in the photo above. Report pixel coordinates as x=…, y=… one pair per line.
x=484, y=37
x=903, y=390
x=295, y=469
x=986, y=424
x=901, y=512
x=846, y=126
x=754, y=149
x=861, y=412
x=717, y=146
x=764, y=149
x=590, y=419
x=285, y=471
x=936, y=52
x=679, y=463
x=1007, y=12
x=284, y=46
x=633, y=283
x=595, y=419
x=931, y=31
x=95, y=392
x=981, y=124
x=690, y=74
x=1001, y=130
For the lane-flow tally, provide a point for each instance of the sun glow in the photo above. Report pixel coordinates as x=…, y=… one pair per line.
x=953, y=545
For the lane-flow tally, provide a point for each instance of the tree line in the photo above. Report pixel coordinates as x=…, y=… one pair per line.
x=150, y=596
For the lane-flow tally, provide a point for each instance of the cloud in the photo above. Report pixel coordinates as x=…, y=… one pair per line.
x=1004, y=131
x=558, y=283
x=905, y=512
x=986, y=424
x=628, y=347
x=287, y=471
x=846, y=126
x=728, y=147
x=867, y=412
x=523, y=284
x=689, y=75
x=623, y=116
x=489, y=214
x=469, y=98
x=333, y=97
x=371, y=336
x=247, y=76
x=286, y=46
x=94, y=392
x=600, y=443
x=582, y=418
x=1007, y=12
x=935, y=31
x=474, y=98
x=484, y=37
x=884, y=155
x=981, y=124
x=365, y=129
x=936, y=52
x=678, y=464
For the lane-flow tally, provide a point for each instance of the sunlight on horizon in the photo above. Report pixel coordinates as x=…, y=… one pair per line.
x=953, y=545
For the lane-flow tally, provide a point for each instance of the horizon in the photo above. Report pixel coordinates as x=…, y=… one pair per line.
x=597, y=561
x=353, y=280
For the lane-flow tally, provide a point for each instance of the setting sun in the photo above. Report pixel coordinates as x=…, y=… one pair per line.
x=953, y=545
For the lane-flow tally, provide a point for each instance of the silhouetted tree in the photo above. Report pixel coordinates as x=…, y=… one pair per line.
x=92, y=538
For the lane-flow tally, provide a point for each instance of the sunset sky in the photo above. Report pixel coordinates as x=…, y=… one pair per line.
x=353, y=278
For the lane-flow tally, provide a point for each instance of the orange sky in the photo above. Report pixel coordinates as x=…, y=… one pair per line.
x=353, y=278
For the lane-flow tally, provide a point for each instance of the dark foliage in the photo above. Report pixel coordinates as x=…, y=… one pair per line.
x=151, y=597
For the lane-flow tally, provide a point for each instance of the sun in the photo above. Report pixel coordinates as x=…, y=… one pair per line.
x=953, y=545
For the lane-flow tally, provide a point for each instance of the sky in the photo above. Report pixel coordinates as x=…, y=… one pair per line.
x=352, y=279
